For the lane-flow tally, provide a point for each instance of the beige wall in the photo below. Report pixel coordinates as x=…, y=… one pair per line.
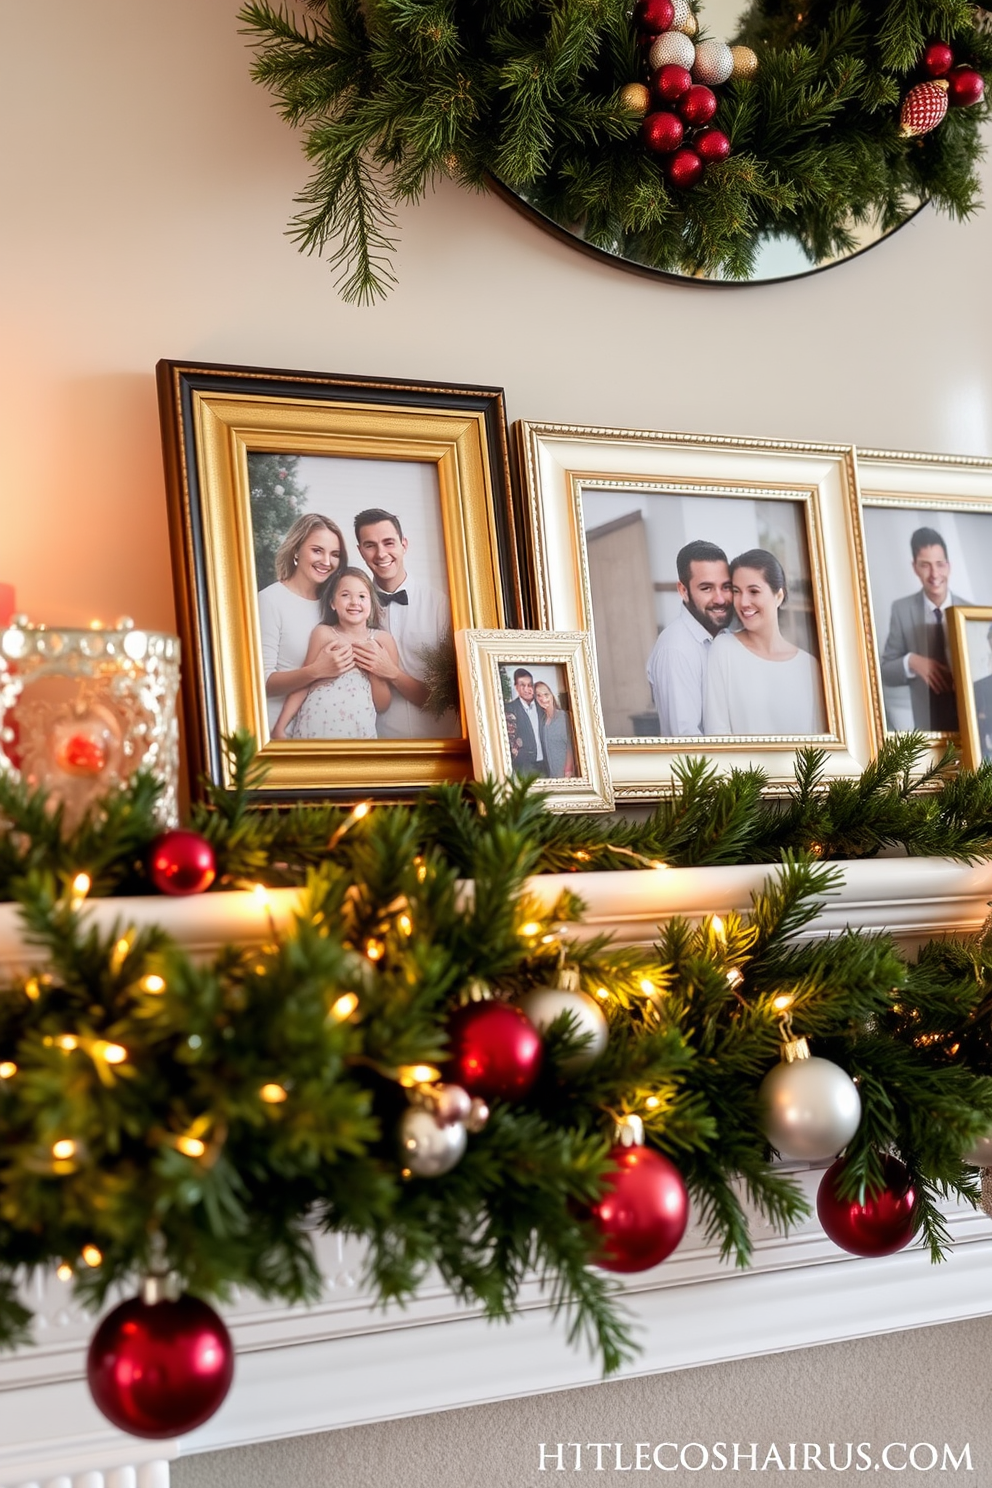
x=145, y=186
x=923, y=1387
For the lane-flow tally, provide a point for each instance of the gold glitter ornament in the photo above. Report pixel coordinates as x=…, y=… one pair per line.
x=745, y=62
x=635, y=98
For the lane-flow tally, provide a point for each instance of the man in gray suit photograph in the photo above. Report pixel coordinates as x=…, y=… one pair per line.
x=916, y=651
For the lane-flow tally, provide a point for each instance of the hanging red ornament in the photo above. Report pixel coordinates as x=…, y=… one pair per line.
x=923, y=108
x=698, y=105
x=653, y=16
x=80, y=754
x=158, y=1367
x=965, y=86
x=495, y=1050
x=937, y=59
x=644, y=1211
x=662, y=133
x=670, y=83
x=683, y=169
x=181, y=862
x=877, y=1226
x=711, y=145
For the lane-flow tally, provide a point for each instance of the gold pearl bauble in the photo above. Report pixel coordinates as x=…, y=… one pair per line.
x=689, y=26
x=635, y=98
x=745, y=62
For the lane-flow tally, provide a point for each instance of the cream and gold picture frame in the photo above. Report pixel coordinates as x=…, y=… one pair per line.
x=533, y=710
x=928, y=544
x=723, y=583
x=329, y=535
x=970, y=636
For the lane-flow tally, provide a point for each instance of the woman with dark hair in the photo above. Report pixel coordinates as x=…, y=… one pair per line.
x=288, y=610
x=757, y=682
x=345, y=706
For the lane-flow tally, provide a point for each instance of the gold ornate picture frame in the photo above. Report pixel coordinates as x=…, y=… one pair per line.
x=533, y=709
x=254, y=458
x=609, y=512
x=928, y=528
x=970, y=635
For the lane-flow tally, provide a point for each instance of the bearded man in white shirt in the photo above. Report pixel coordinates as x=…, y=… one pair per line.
x=677, y=665
x=416, y=616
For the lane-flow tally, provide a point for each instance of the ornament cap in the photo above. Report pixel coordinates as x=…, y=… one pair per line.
x=160, y=1286
x=629, y=1132
x=570, y=979
x=793, y=1049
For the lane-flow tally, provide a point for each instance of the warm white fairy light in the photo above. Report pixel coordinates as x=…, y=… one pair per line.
x=273, y=1094
x=374, y=949
x=8, y=1069
x=344, y=1006
x=602, y=994
x=109, y=1053
x=405, y=924
x=92, y=1255
x=63, y=1149
x=718, y=927
x=783, y=1002
x=153, y=983
x=67, y=1042
x=531, y=928
x=64, y=1272
x=417, y=1074
x=81, y=885
x=191, y=1146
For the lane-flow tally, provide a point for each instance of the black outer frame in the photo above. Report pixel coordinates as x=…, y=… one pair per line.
x=177, y=382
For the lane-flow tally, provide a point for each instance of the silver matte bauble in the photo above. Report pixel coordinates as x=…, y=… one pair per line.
x=426, y=1148
x=672, y=49
x=544, y=1004
x=714, y=63
x=980, y=1156
x=810, y=1108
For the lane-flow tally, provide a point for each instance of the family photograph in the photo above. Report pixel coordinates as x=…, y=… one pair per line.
x=712, y=631
x=538, y=721
x=353, y=605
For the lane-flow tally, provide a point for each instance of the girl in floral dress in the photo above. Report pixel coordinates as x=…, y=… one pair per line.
x=343, y=707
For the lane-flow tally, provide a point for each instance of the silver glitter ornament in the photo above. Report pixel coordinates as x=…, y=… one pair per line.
x=426, y=1148
x=672, y=49
x=810, y=1107
x=714, y=63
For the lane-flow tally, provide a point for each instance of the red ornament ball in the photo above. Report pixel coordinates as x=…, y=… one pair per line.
x=937, y=60
x=162, y=1368
x=643, y=1214
x=965, y=86
x=496, y=1052
x=698, y=105
x=683, y=169
x=652, y=16
x=880, y=1225
x=662, y=133
x=712, y=145
x=671, y=83
x=80, y=754
x=181, y=862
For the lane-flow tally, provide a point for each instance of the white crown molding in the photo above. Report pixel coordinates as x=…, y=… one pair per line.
x=343, y=1361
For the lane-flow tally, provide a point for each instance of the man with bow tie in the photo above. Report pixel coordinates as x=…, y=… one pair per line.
x=416, y=616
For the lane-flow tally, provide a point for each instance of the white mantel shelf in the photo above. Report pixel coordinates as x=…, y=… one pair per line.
x=342, y=1362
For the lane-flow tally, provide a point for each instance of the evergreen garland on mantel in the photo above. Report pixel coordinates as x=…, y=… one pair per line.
x=159, y=1112
x=393, y=94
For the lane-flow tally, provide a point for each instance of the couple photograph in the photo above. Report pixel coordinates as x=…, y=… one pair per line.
x=353, y=605
x=538, y=721
x=703, y=607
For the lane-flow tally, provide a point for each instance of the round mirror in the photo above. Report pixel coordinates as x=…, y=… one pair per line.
x=778, y=257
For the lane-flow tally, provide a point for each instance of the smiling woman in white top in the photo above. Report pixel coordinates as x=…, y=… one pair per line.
x=289, y=610
x=758, y=682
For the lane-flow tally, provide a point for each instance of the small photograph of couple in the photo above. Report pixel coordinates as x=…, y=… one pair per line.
x=704, y=615
x=353, y=604
x=538, y=716
x=921, y=561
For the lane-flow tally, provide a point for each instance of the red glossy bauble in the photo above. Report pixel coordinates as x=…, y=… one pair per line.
x=662, y=133
x=683, y=169
x=654, y=15
x=670, y=83
x=712, y=145
x=699, y=105
x=965, y=86
x=181, y=862
x=162, y=1368
x=878, y=1227
x=644, y=1212
x=937, y=60
x=80, y=754
x=496, y=1052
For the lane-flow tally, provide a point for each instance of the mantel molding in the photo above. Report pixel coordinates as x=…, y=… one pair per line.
x=343, y=1362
